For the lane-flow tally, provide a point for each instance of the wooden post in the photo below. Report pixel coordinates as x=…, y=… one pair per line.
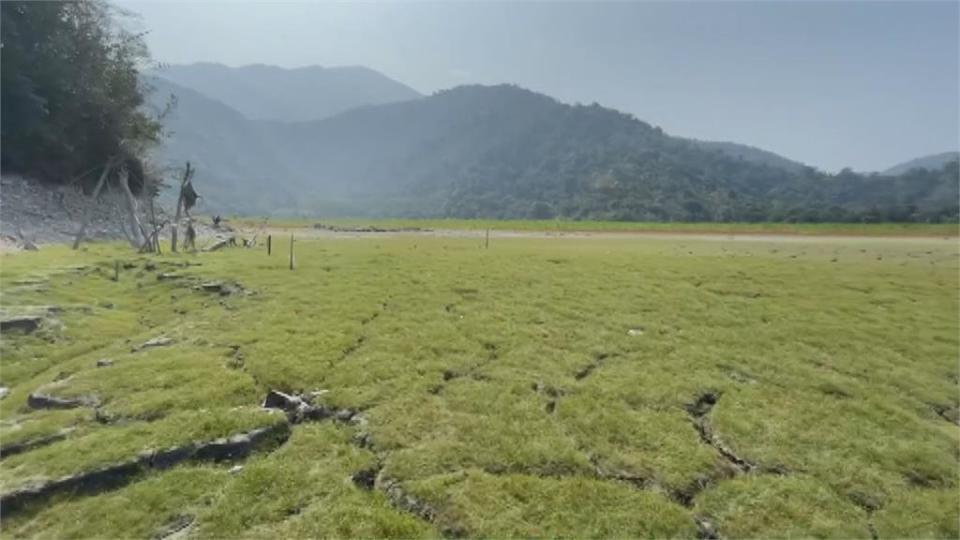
x=116, y=270
x=96, y=193
x=486, y=244
x=269, y=244
x=176, y=220
x=291, y=252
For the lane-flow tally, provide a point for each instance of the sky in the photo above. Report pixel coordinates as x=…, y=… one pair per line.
x=832, y=84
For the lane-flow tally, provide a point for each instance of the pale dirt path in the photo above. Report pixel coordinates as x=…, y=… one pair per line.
x=309, y=232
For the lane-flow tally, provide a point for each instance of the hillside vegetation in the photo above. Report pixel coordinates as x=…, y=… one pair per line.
x=931, y=162
x=505, y=152
x=71, y=93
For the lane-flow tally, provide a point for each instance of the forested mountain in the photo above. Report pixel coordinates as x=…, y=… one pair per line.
x=232, y=153
x=502, y=151
x=750, y=153
x=262, y=92
x=931, y=162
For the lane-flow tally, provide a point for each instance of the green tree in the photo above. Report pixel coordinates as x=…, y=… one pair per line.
x=71, y=92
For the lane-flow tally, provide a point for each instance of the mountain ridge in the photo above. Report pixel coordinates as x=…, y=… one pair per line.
x=265, y=92
x=505, y=152
x=929, y=161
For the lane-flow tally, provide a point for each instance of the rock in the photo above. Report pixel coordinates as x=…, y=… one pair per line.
x=178, y=528
x=167, y=276
x=4, y=391
x=235, y=469
x=104, y=362
x=285, y=402
x=219, y=287
x=635, y=331
x=22, y=323
x=221, y=243
x=366, y=478
x=44, y=401
x=705, y=529
x=161, y=341
x=299, y=409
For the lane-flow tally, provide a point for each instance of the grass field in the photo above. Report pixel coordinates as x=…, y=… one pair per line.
x=544, y=387
x=812, y=229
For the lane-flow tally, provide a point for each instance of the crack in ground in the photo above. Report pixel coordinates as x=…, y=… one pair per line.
x=585, y=371
x=234, y=447
x=950, y=413
x=116, y=475
x=450, y=375
x=872, y=528
x=699, y=411
x=399, y=498
x=362, y=338
x=870, y=505
x=553, y=394
x=33, y=444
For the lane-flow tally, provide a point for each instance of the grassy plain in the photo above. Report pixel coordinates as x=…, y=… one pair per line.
x=576, y=387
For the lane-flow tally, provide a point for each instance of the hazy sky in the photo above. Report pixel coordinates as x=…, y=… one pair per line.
x=864, y=84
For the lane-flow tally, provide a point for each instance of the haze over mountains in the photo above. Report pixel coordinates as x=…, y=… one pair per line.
x=262, y=92
x=931, y=162
x=349, y=141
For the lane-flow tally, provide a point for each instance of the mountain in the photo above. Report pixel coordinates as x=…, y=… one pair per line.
x=263, y=92
x=750, y=153
x=931, y=162
x=231, y=153
x=505, y=152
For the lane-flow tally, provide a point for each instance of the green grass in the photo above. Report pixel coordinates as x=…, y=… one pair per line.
x=557, y=225
x=536, y=388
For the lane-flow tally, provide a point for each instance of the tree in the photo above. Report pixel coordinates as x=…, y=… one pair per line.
x=71, y=92
x=541, y=210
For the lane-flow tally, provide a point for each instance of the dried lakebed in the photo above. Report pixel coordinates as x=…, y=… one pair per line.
x=424, y=386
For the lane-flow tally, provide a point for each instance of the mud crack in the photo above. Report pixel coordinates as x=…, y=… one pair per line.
x=699, y=411
x=116, y=475
x=585, y=371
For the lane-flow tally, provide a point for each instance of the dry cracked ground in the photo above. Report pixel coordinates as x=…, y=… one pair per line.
x=413, y=386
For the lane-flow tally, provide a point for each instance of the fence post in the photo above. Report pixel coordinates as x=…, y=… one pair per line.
x=291, y=252
x=486, y=243
x=269, y=244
